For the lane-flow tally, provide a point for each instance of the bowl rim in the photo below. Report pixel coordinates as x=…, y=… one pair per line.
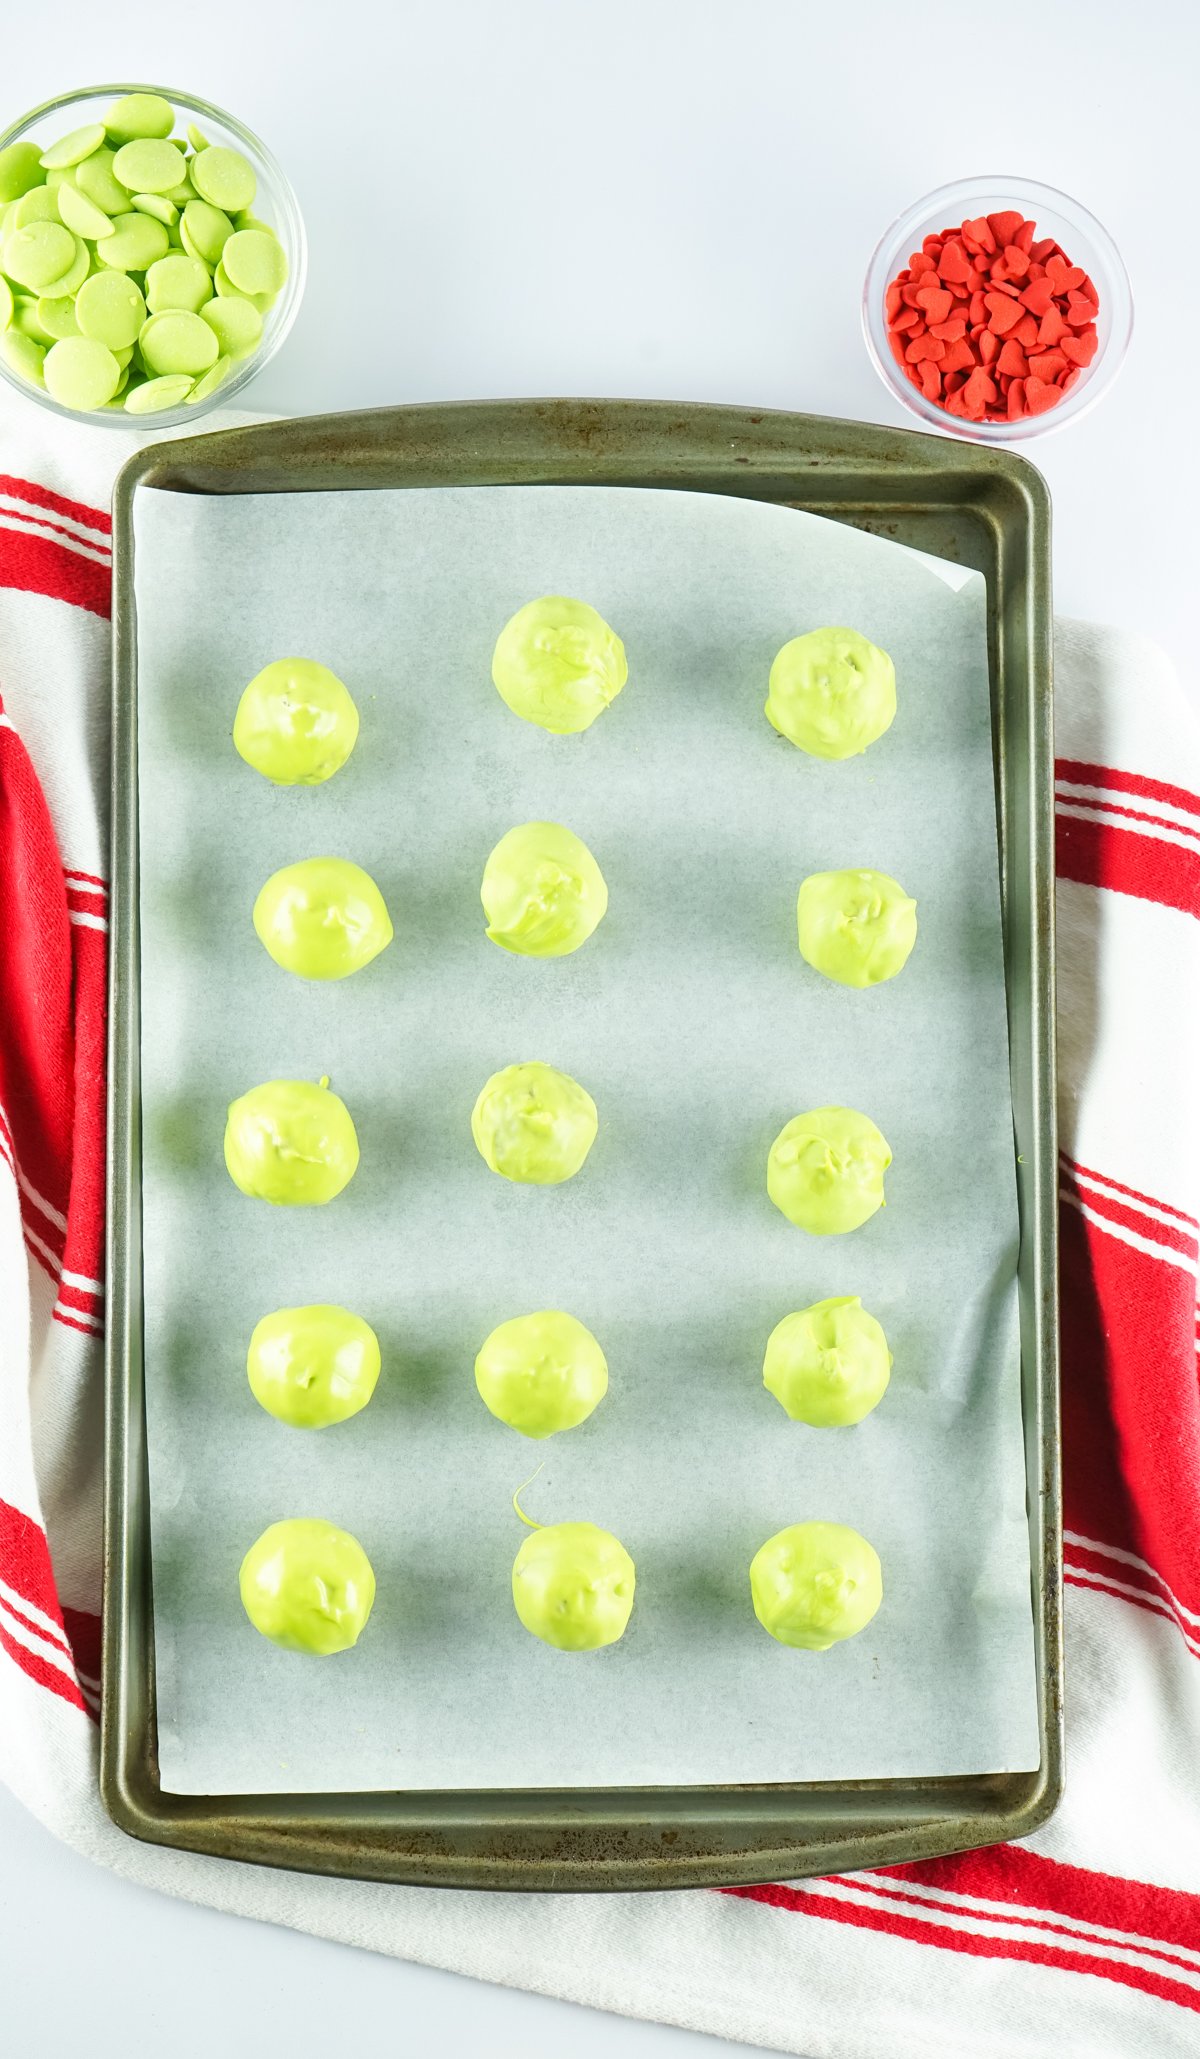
x=291, y=229
x=1116, y=286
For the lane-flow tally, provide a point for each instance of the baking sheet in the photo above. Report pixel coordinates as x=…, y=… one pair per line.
x=699, y=1031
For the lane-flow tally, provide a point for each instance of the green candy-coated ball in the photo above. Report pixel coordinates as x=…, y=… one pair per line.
x=291, y=1142
x=543, y=892
x=814, y=1584
x=534, y=1124
x=296, y=722
x=541, y=1373
x=573, y=1586
x=831, y=693
x=313, y=1366
x=825, y=1170
x=308, y=1586
x=557, y=663
x=856, y=927
x=322, y=918
x=828, y=1365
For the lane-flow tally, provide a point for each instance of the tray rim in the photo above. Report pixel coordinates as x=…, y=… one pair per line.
x=609, y=1839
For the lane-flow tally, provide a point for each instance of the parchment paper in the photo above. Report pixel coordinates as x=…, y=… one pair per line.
x=698, y=1029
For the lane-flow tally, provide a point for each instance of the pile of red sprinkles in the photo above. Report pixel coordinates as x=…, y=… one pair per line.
x=990, y=322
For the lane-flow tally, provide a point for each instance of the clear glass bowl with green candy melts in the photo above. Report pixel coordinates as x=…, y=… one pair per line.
x=26, y=334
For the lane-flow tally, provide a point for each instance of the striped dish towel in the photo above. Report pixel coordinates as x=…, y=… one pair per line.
x=1083, y=1941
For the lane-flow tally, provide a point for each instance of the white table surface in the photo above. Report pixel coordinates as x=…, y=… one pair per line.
x=670, y=198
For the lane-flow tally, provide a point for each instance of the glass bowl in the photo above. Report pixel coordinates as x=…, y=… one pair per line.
x=274, y=203
x=1085, y=243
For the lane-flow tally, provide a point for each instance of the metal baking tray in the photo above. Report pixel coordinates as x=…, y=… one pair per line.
x=983, y=507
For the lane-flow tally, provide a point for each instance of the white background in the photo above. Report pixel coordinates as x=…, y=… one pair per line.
x=649, y=197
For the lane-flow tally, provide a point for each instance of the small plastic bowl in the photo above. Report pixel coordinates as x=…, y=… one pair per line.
x=274, y=203
x=1085, y=243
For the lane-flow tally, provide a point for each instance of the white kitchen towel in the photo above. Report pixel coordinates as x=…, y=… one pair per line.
x=1084, y=1940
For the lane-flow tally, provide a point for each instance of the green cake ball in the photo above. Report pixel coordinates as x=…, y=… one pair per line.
x=814, y=1584
x=291, y=1142
x=296, y=722
x=831, y=693
x=573, y=1585
x=533, y=1124
x=322, y=918
x=123, y=200
x=557, y=663
x=828, y=1365
x=308, y=1586
x=541, y=1373
x=825, y=1170
x=856, y=927
x=313, y=1366
x=543, y=892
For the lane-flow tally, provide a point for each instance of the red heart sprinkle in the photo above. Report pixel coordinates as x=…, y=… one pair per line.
x=1048, y=365
x=953, y=261
x=979, y=232
x=936, y=302
x=1039, y=396
x=1004, y=226
x=1037, y=296
x=1012, y=359
x=1080, y=349
x=1003, y=313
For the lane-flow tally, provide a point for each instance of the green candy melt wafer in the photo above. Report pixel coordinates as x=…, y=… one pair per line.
x=178, y=341
x=110, y=308
x=26, y=321
x=20, y=168
x=139, y=115
x=157, y=205
x=210, y=381
x=149, y=167
x=236, y=324
x=137, y=241
x=6, y=303
x=156, y=394
x=58, y=317
x=95, y=178
x=81, y=373
x=72, y=149
x=81, y=215
x=25, y=357
x=177, y=281
x=206, y=230
x=228, y=291
x=38, y=205
x=224, y=177
x=38, y=253
x=254, y=262
x=73, y=278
